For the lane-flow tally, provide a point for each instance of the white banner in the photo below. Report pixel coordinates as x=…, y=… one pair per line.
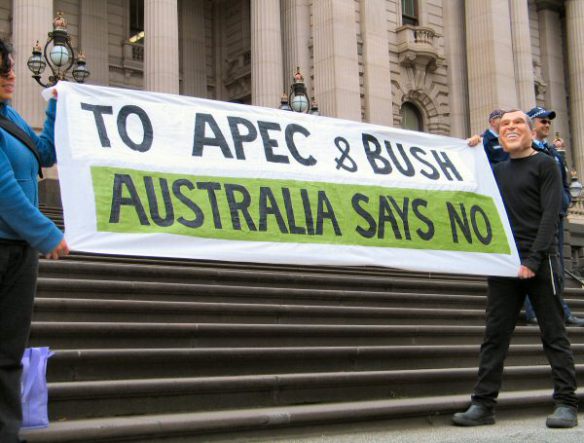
x=172, y=176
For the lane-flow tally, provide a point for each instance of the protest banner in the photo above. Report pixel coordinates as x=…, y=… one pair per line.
x=172, y=176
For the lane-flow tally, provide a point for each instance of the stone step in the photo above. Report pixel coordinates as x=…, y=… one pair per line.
x=118, y=364
x=92, y=310
x=233, y=423
x=265, y=275
x=128, y=290
x=196, y=292
x=79, y=265
x=77, y=400
x=72, y=335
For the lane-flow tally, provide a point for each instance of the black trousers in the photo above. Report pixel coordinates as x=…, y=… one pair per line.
x=18, y=276
x=505, y=299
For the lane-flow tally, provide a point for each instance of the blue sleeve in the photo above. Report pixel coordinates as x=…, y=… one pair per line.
x=45, y=142
x=21, y=215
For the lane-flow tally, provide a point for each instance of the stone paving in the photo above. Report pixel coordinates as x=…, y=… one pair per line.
x=530, y=428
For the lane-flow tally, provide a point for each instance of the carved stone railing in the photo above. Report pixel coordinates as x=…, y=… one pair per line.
x=576, y=211
x=418, y=43
x=133, y=56
x=418, y=52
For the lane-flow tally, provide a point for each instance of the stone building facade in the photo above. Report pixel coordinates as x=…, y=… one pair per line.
x=435, y=65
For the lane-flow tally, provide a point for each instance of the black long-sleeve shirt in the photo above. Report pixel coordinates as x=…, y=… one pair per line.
x=531, y=189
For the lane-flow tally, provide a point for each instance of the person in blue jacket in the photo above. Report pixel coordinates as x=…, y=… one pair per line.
x=542, y=122
x=24, y=231
x=493, y=149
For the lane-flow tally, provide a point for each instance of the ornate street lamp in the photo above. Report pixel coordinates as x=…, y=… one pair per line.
x=297, y=99
x=575, y=188
x=60, y=57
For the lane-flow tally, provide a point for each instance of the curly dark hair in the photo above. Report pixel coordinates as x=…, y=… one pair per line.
x=5, y=62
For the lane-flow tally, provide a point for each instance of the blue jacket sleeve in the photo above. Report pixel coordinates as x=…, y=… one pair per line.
x=21, y=215
x=45, y=142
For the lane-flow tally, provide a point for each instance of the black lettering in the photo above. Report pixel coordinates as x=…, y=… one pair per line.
x=98, y=112
x=292, y=129
x=235, y=207
x=121, y=181
x=290, y=213
x=270, y=143
x=403, y=214
x=418, y=153
x=456, y=220
x=374, y=155
x=197, y=222
x=370, y=231
x=386, y=215
x=201, y=121
x=153, y=202
x=307, y=212
x=269, y=206
x=488, y=236
x=446, y=164
x=211, y=188
x=407, y=169
x=238, y=137
x=148, y=137
x=429, y=234
x=325, y=211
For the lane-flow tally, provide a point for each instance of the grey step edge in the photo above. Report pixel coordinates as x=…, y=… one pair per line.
x=144, y=428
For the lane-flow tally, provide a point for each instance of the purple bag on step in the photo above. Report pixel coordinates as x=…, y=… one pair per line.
x=34, y=392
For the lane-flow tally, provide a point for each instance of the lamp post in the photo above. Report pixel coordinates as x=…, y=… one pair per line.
x=60, y=57
x=575, y=187
x=297, y=99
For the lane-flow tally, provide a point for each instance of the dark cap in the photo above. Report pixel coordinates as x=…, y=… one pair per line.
x=539, y=112
x=496, y=113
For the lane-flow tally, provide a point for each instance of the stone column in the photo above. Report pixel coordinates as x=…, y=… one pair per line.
x=32, y=20
x=553, y=78
x=161, y=46
x=489, y=52
x=266, y=53
x=377, y=81
x=296, y=30
x=336, y=63
x=575, y=33
x=455, y=48
x=93, y=40
x=193, y=48
x=524, y=79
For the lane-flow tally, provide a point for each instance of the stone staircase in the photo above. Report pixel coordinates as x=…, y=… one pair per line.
x=151, y=350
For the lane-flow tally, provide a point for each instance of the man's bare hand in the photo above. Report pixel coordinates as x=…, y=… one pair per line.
x=525, y=272
x=61, y=250
x=559, y=143
x=474, y=140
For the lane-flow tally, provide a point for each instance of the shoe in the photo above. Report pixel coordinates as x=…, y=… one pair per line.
x=475, y=415
x=574, y=321
x=532, y=321
x=563, y=417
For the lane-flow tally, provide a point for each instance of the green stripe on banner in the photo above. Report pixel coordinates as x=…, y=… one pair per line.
x=289, y=211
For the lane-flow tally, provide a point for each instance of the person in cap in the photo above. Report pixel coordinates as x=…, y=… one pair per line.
x=529, y=183
x=542, y=119
x=24, y=231
x=490, y=138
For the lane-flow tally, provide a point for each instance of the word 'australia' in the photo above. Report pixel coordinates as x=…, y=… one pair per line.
x=226, y=202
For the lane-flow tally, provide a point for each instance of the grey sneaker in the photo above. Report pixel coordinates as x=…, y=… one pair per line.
x=563, y=417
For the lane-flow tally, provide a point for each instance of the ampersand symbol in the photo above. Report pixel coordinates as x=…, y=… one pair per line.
x=343, y=146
